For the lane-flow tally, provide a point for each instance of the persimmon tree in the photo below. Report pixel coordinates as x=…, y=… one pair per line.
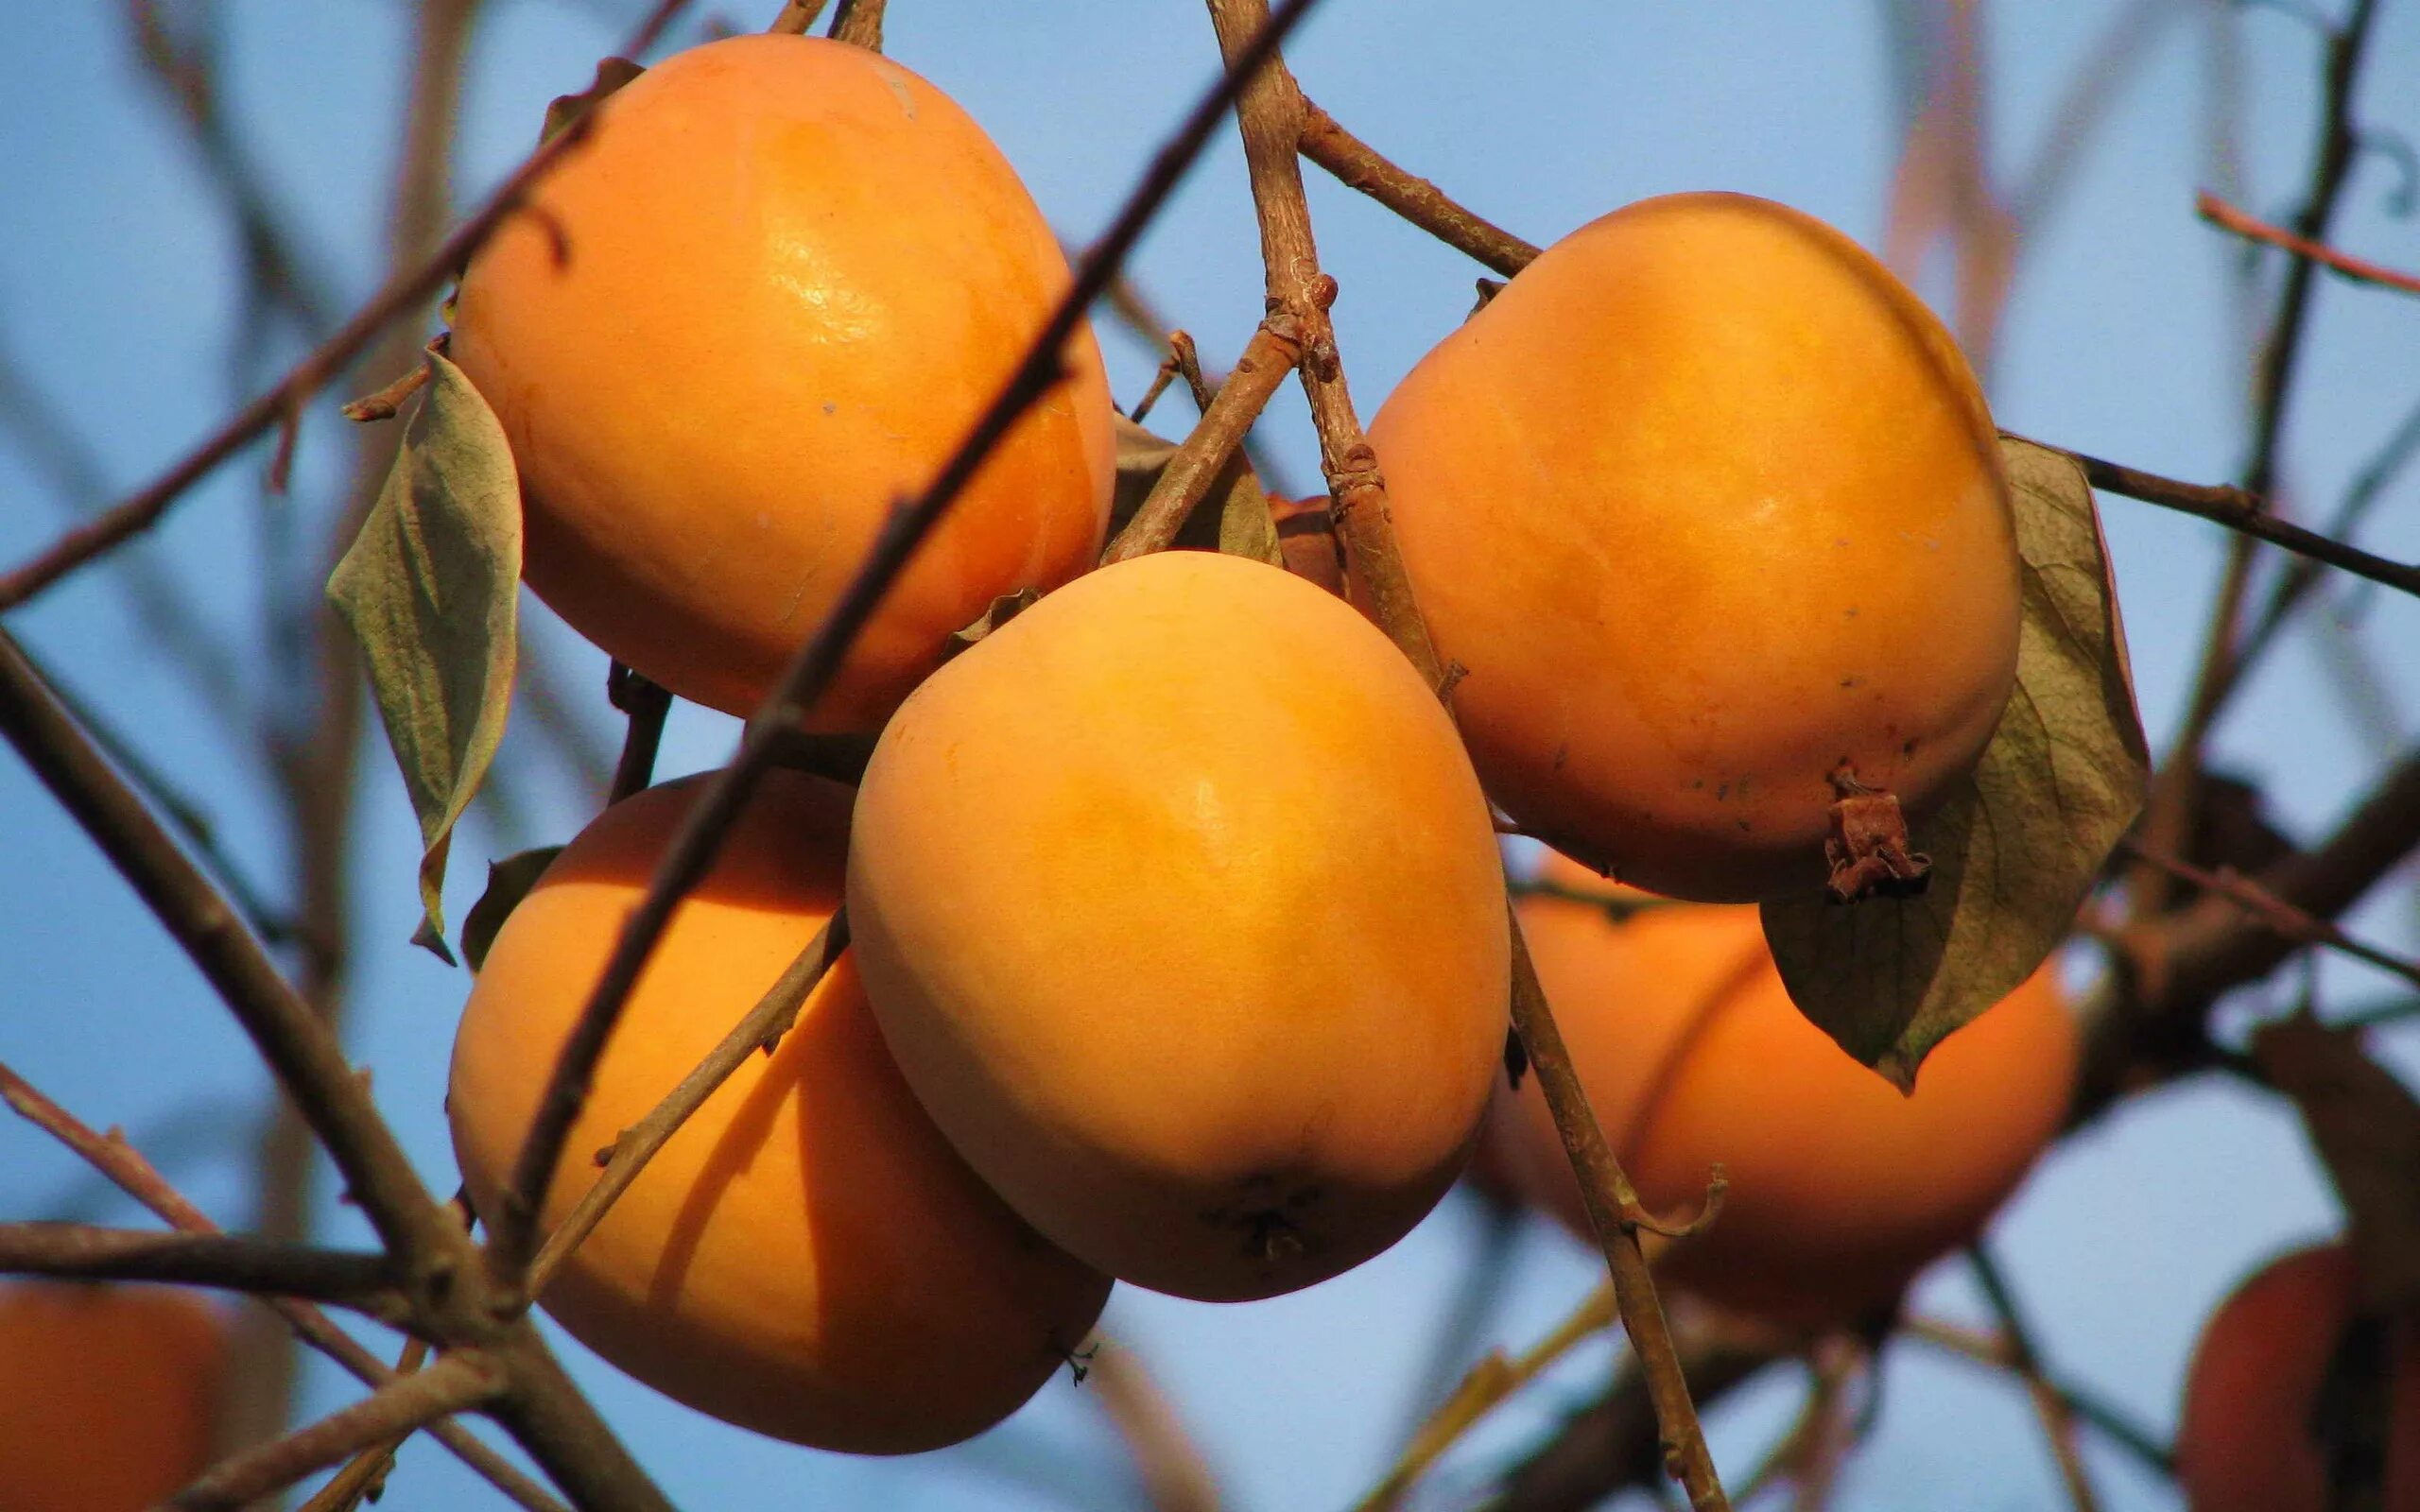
x=2070, y=827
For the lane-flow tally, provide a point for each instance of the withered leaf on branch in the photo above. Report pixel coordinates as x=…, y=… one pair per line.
x=1235, y=518
x=2365, y=1126
x=2016, y=846
x=509, y=882
x=430, y=590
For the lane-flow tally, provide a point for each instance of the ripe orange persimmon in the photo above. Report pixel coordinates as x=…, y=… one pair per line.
x=2248, y=1439
x=1711, y=509
x=1841, y=1189
x=807, y=1257
x=1179, y=903
x=109, y=1395
x=762, y=304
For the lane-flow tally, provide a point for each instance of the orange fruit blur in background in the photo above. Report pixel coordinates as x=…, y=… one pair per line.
x=1710, y=507
x=758, y=306
x=1841, y=1189
x=2245, y=1442
x=108, y=1394
x=807, y=1257
x=1130, y=892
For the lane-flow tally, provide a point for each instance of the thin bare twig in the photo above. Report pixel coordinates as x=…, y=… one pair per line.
x=2246, y=513
x=2245, y=224
x=288, y=1034
x=694, y=843
x=1175, y=1476
x=283, y=401
x=1995, y=1350
x=363, y=1280
x=860, y=24
x=1483, y=1387
x=2274, y=913
x=2058, y=1418
x=1358, y=166
x=797, y=18
x=761, y=1030
x=366, y=1472
x=1271, y=114
x=137, y=1178
x=461, y=1380
x=2168, y=811
x=1273, y=352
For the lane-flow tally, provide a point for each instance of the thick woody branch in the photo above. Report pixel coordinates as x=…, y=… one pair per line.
x=2246, y=513
x=797, y=17
x=297, y=1046
x=457, y=1382
x=360, y=1281
x=1358, y=166
x=282, y=404
x=694, y=843
x=546, y=1413
x=1271, y=354
x=125, y=1166
x=1271, y=117
x=760, y=1032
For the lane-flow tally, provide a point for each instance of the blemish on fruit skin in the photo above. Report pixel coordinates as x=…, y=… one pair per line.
x=1851, y=682
x=899, y=90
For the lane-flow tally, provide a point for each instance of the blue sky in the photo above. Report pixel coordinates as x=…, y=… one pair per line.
x=118, y=297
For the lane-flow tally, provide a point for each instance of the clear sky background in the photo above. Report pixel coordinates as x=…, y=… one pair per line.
x=118, y=299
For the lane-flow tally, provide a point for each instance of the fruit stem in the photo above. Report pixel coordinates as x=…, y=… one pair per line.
x=1868, y=846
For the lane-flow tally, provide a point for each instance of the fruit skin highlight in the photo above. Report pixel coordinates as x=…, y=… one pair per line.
x=1179, y=904
x=108, y=1394
x=1711, y=508
x=807, y=1257
x=2245, y=1442
x=761, y=304
x=1840, y=1188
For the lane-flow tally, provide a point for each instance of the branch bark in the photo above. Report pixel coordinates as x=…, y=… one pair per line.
x=125, y=1166
x=457, y=1382
x=361, y=1280
x=289, y=1036
x=1271, y=117
x=1273, y=352
x=1358, y=166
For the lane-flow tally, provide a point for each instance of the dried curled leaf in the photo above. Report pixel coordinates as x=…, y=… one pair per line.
x=2365, y=1126
x=509, y=882
x=1235, y=518
x=2016, y=845
x=430, y=591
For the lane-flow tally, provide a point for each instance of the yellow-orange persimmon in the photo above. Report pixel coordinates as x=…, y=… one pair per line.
x=1841, y=1189
x=2249, y=1438
x=1179, y=903
x=805, y=1256
x=1711, y=509
x=759, y=306
x=109, y=1395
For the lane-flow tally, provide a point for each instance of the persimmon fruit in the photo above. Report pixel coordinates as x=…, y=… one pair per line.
x=2248, y=1439
x=1711, y=509
x=1179, y=906
x=109, y=1395
x=805, y=1256
x=758, y=306
x=1841, y=1187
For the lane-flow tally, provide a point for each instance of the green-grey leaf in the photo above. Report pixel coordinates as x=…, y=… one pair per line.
x=509, y=882
x=1233, y=518
x=2014, y=846
x=430, y=590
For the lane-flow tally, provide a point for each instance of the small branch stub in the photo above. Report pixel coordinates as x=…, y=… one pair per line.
x=1868, y=846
